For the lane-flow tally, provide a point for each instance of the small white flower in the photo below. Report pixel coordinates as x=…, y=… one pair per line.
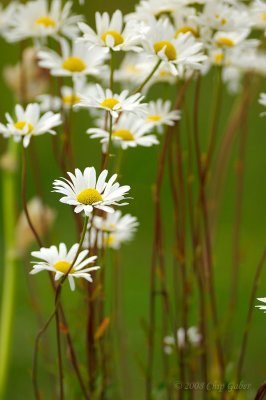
x=29, y=122
x=36, y=19
x=262, y=307
x=159, y=113
x=154, y=8
x=111, y=33
x=129, y=131
x=178, y=52
x=59, y=261
x=75, y=61
x=193, y=337
x=111, y=230
x=86, y=192
x=230, y=39
x=114, y=103
x=258, y=14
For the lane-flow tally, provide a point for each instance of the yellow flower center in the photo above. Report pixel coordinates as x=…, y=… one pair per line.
x=123, y=134
x=218, y=58
x=168, y=47
x=118, y=39
x=89, y=197
x=110, y=103
x=21, y=125
x=46, y=21
x=224, y=41
x=63, y=266
x=109, y=240
x=70, y=100
x=74, y=64
x=186, y=29
x=263, y=17
x=154, y=118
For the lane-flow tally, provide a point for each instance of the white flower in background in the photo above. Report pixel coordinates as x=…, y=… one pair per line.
x=70, y=96
x=59, y=261
x=178, y=53
x=262, y=101
x=36, y=19
x=129, y=131
x=225, y=16
x=230, y=39
x=111, y=33
x=186, y=21
x=111, y=230
x=75, y=61
x=6, y=15
x=154, y=8
x=159, y=113
x=86, y=192
x=258, y=14
x=193, y=338
x=114, y=103
x=262, y=307
x=29, y=122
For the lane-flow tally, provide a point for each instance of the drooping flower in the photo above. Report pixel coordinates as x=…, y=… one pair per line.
x=29, y=122
x=59, y=260
x=193, y=339
x=85, y=191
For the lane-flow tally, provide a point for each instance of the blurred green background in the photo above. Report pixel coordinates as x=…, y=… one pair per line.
x=139, y=170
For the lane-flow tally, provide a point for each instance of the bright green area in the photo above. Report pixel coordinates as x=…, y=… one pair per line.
x=139, y=171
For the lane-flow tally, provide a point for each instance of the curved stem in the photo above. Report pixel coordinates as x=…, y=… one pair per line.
x=141, y=87
x=9, y=280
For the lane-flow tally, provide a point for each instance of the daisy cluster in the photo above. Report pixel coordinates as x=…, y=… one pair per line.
x=160, y=41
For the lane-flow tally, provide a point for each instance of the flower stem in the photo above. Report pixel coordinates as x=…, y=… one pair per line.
x=144, y=83
x=9, y=282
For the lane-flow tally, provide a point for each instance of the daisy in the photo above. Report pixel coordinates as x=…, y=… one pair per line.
x=178, y=53
x=111, y=33
x=29, y=122
x=59, y=261
x=262, y=307
x=129, y=131
x=230, y=39
x=86, y=192
x=6, y=15
x=73, y=61
x=36, y=19
x=114, y=103
x=159, y=113
x=112, y=230
x=154, y=8
x=258, y=14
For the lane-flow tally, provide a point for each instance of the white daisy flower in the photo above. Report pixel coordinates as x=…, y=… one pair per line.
x=230, y=39
x=6, y=15
x=86, y=192
x=29, y=122
x=36, y=19
x=114, y=103
x=154, y=8
x=262, y=307
x=111, y=231
x=258, y=14
x=75, y=61
x=178, y=53
x=159, y=113
x=111, y=33
x=59, y=260
x=129, y=131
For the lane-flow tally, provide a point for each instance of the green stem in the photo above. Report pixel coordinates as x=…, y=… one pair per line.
x=140, y=88
x=9, y=281
x=111, y=69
